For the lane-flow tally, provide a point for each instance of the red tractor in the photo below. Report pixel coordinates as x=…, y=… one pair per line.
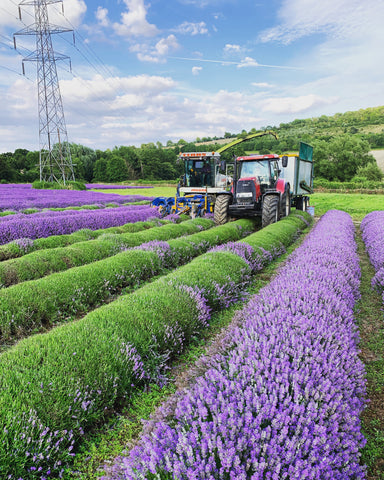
x=267, y=186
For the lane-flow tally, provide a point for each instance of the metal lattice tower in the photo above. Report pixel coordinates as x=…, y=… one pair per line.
x=55, y=156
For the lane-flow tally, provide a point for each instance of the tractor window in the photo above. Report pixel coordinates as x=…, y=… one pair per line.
x=199, y=173
x=256, y=169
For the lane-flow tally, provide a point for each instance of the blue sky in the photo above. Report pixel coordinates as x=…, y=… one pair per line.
x=164, y=70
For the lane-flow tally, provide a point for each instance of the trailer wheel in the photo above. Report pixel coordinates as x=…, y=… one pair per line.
x=286, y=202
x=220, y=213
x=270, y=213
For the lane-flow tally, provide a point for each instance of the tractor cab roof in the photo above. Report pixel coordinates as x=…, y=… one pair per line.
x=271, y=156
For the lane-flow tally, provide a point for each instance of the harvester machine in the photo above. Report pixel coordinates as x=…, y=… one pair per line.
x=206, y=177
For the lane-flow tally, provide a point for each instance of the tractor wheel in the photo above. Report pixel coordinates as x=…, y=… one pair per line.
x=220, y=213
x=270, y=213
x=286, y=202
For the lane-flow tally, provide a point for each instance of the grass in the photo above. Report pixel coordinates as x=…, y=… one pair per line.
x=369, y=317
x=110, y=441
x=357, y=205
x=145, y=192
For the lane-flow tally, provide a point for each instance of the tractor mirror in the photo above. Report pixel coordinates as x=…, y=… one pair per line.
x=222, y=165
x=284, y=161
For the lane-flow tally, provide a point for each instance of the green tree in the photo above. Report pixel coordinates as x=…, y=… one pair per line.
x=100, y=170
x=7, y=172
x=371, y=172
x=116, y=169
x=340, y=158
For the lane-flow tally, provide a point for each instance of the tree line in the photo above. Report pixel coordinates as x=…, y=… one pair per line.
x=336, y=157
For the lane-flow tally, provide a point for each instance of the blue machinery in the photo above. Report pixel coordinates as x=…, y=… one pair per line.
x=193, y=205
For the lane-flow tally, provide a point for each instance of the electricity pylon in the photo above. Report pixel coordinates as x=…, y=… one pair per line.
x=55, y=156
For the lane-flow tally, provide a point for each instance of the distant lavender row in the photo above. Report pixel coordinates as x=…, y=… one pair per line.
x=114, y=187
x=282, y=398
x=19, y=197
x=372, y=227
x=45, y=224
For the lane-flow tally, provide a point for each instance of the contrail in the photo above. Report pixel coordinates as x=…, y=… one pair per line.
x=243, y=64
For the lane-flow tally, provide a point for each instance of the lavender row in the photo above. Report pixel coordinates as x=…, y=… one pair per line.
x=282, y=398
x=23, y=246
x=20, y=197
x=372, y=228
x=74, y=375
x=45, y=224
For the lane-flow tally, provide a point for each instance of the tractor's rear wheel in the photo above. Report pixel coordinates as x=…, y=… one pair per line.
x=270, y=213
x=286, y=202
x=220, y=213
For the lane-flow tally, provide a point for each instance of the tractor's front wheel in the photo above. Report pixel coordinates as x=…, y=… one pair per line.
x=270, y=213
x=286, y=202
x=220, y=213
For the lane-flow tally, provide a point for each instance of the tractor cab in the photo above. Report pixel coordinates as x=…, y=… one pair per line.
x=256, y=174
x=199, y=172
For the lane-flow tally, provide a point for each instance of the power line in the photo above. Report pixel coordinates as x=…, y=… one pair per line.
x=14, y=71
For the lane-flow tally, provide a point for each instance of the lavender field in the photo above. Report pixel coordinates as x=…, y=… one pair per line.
x=99, y=300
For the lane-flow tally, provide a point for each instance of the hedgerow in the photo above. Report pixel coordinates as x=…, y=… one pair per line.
x=56, y=385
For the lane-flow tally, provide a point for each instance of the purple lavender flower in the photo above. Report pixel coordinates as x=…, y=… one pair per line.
x=282, y=398
x=20, y=197
x=45, y=224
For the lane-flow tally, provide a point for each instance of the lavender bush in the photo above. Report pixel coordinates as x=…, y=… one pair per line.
x=282, y=398
x=372, y=228
x=19, y=197
x=39, y=263
x=56, y=385
x=45, y=224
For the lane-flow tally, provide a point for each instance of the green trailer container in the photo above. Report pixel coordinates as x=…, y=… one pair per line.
x=298, y=172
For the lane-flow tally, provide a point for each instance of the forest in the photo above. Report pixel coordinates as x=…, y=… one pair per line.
x=341, y=142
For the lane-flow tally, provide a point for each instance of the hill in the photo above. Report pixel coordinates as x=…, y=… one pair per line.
x=366, y=123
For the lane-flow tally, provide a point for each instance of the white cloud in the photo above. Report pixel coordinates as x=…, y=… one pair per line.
x=192, y=28
x=100, y=89
x=74, y=11
x=134, y=22
x=248, y=62
x=101, y=15
x=295, y=105
x=232, y=48
x=158, y=53
x=196, y=70
x=336, y=18
x=262, y=85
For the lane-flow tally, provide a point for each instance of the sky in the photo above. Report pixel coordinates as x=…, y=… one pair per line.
x=158, y=71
